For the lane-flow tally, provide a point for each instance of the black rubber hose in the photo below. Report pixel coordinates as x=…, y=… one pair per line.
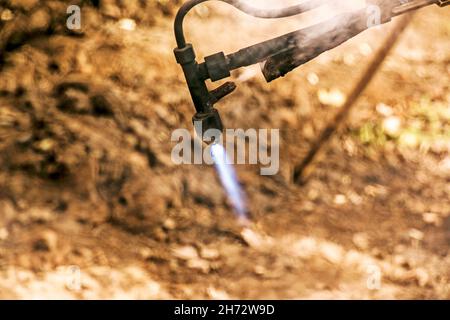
x=242, y=6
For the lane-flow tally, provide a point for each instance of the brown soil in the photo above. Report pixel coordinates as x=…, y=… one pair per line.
x=91, y=205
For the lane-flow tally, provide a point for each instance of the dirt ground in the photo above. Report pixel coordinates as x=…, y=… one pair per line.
x=91, y=205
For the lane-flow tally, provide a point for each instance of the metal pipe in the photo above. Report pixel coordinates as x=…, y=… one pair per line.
x=314, y=41
x=242, y=6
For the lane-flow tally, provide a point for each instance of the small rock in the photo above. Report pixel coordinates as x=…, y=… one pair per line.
x=444, y=165
x=170, y=224
x=260, y=270
x=254, y=239
x=313, y=78
x=432, y=218
x=45, y=145
x=127, y=24
x=392, y=126
x=153, y=288
x=40, y=214
x=333, y=97
x=353, y=257
x=6, y=15
x=375, y=190
x=409, y=139
x=304, y=248
x=217, y=294
x=423, y=277
x=185, y=253
x=361, y=240
x=313, y=194
x=209, y=254
x=384, y=110
x=199, y=264
x=416, y=234
x=332, y=252
x=4, y=234
x=145, y=253
x=159, y=234
x=355, y=198
x=340, y=199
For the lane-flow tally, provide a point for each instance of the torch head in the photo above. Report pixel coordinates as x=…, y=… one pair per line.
x=208, y=125
x=207, y=122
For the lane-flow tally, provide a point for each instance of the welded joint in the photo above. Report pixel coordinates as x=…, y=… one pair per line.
x=217, y=66
x=185, y=55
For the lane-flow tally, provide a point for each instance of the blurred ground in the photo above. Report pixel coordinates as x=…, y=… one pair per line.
x=92, y=207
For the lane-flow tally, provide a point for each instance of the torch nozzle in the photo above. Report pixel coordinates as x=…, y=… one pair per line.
x=208, y=125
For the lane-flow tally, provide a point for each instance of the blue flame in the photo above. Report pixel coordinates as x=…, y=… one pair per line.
x=229, y=179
